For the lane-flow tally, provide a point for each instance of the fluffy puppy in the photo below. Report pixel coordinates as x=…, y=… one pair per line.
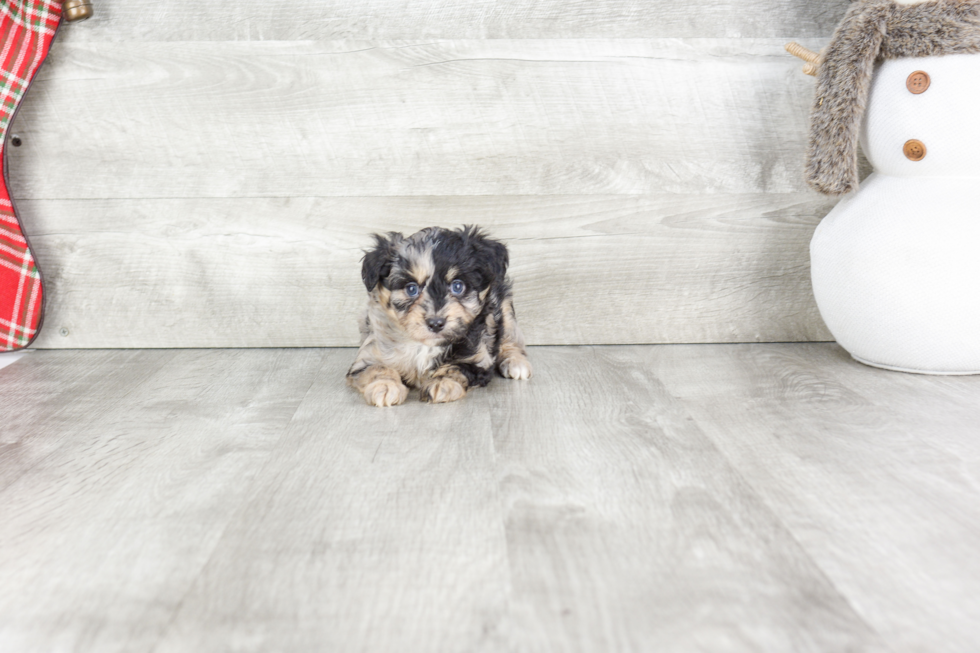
x=440, y=317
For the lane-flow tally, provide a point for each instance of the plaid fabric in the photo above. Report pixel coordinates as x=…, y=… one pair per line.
x=26, y=30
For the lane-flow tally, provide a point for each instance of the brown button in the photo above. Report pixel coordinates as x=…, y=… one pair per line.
x=918, y=82
x=915, y=150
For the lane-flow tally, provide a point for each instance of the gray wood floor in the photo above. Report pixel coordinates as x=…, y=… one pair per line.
x=668, y=498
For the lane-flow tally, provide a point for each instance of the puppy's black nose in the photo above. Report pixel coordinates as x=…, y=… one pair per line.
x=436, y=323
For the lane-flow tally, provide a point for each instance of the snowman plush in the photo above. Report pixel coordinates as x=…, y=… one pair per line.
x=896, y=264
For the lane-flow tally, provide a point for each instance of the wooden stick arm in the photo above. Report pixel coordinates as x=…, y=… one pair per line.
x=811, y=58
x=75, y=10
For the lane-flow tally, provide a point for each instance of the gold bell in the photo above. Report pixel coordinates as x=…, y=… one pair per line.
x=74, y=10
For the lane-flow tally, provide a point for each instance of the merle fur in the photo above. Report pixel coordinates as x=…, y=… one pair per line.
x=481, y=263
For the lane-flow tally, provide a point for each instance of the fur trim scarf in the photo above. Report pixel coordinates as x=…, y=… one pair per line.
x=872, y=31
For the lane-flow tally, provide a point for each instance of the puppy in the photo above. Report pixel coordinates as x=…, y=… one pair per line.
x=440, y=317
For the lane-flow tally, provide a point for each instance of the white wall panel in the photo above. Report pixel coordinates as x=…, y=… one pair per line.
x=198, y=174
x=286, y=271
x=181, y=20
x=445, y=118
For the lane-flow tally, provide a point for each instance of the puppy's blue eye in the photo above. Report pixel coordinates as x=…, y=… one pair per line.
x=412, y=290
x=457, y=287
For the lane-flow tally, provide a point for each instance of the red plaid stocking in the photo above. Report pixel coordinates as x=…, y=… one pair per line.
x=26, y=30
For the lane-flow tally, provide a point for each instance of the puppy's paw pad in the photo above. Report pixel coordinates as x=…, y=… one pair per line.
x=386, y=392
x=516, y=367
x=443, y=391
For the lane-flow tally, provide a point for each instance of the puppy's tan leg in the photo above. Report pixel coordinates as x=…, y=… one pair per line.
x=513, y=362
x=381, y=386
x=445, y=384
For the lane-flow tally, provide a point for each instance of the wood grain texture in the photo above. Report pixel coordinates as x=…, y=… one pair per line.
x=169, y=20
x=369, y=529
x=223, y=165
x=248, y=501
x=875, y=473
x=103, y=536
x=37, y=419
x=459, y=117
x=628, y=530
x=286, y=272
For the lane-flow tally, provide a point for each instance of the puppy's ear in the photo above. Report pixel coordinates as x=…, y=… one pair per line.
x=378, y=261
x=490, y=254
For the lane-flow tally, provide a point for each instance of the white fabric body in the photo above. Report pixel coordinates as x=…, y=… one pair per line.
x=896, y=265
x=946, y=117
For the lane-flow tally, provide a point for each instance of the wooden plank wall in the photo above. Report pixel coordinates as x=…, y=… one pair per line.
x=207, y=174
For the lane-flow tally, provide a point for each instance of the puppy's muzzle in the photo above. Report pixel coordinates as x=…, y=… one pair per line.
x=435, y=324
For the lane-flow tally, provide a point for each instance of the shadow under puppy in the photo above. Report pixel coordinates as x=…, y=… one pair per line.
x=440, y=317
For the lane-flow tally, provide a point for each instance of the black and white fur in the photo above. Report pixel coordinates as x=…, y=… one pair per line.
x=440, y=317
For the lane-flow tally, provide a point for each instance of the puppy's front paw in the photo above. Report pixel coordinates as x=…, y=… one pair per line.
x=516, y=366
x=385, y=392
x=443, y=390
